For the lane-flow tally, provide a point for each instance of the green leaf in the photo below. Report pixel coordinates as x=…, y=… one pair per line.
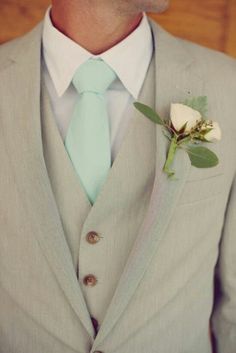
x=202, y=157
x=198, y=103
x=149, y=113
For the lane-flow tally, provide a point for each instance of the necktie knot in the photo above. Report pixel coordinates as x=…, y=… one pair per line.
x=93, y=76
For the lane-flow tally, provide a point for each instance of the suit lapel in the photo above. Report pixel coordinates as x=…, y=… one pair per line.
x=21, y=117
x=20, y=121
x=173, y=77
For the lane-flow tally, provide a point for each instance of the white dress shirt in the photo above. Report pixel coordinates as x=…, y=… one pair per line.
x=129, y=59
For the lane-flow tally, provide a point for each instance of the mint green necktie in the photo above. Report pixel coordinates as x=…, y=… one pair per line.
x=88, y=138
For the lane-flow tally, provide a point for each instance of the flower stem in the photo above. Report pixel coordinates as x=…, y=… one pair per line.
x=170, y=157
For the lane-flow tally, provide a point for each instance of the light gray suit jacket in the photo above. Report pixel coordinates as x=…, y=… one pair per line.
x=185, y=248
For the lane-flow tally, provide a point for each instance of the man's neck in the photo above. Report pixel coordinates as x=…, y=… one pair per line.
x=95, y=28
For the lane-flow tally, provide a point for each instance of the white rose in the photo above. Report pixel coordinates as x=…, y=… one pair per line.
x=181, y=114
x=215, y=133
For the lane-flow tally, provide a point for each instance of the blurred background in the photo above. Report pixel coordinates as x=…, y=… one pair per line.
x=211, y=23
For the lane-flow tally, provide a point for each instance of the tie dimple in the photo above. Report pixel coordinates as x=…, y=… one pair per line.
x=88, y=137
x=93, y=76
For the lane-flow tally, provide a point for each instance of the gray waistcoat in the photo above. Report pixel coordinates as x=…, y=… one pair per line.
x=126, y=192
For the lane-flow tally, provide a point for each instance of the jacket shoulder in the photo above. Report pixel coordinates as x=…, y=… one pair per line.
x=218, y=72
x=15, y=47
x=209, y=59
x=7, y=49
x=210, y=63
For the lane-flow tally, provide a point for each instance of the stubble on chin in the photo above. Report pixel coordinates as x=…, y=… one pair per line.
x=135, y=6
x=156, y=6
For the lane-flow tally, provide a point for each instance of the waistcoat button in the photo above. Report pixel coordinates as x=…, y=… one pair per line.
x=93, y=237
x=90, y=280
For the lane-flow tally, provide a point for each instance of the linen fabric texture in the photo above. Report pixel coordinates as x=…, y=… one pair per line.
x=178, y=237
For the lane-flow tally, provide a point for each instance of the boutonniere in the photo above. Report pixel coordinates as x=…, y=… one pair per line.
x=187, y=128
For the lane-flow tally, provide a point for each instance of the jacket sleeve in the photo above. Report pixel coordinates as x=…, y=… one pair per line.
x=224, y=312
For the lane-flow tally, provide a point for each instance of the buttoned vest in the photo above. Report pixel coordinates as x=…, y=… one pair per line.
x=119, y=209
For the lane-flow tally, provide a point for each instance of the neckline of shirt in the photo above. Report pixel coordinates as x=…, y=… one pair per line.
x=129, y=58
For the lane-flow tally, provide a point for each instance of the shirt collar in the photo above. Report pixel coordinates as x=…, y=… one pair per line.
x=129, y=59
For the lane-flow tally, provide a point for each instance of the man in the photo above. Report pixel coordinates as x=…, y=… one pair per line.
x=99, y=250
